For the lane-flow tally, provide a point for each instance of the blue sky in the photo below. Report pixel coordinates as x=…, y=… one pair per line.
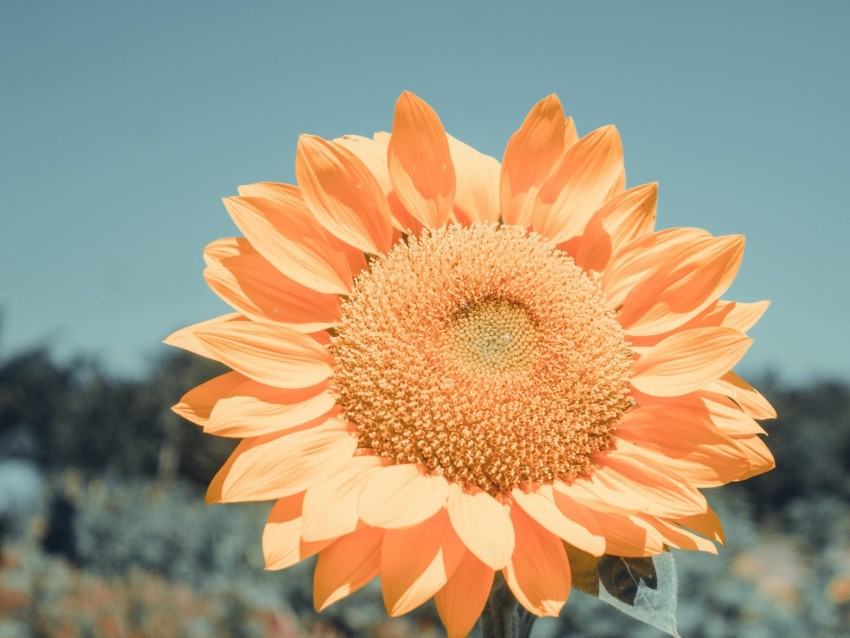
x=123, y=124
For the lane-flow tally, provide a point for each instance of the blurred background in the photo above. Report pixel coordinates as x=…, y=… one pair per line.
x=121, y=127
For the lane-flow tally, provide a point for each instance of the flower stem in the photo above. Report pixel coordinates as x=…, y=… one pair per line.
x=503, y=616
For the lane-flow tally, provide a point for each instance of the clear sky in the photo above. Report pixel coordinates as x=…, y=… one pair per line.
x=123, y=124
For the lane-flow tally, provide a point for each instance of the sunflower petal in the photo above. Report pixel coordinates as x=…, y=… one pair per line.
x=477, y=195
x=681, y=286
x=531, y=154
x=540, y=506
x=343, y=195
x=274, y=355
x=330, y=506
x=420, y=163
x=585, y=178
x=401, y=495
x=273, y=466
x=247, y=281
x=282, y=543
x=463, y=597
x=417, y=561
x=346, y=565
x=286, y=234
x=689, y=360
x=483, y=524
x=538, y=573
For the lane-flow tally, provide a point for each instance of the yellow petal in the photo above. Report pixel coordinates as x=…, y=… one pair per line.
x=248, y=282
x=187, y=339
x=683, y=284
x=462, y=599
x=630, y=215
x=585, y=178
x=346, y=565
x=417, y=561
x=330, y=506
x=197, y=404
x=401, y=495
x=631, y=262
x=477, y=194
x=745, y=395
x=420, y=163
x=685, y=442
x=274, y=355
x=627, y=535
x=284, y=232
x=343, y=195
x=531, y=154
x=708, y=524
x=540, y=505
x=538, y=573
x=273, y=466
x=282, y=543
x=233, y=405
x=690, y=360
x=483, y=524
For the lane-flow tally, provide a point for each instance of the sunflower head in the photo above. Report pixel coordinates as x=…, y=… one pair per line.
x=491, y=362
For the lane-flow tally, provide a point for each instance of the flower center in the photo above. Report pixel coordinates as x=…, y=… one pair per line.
x=483, y=353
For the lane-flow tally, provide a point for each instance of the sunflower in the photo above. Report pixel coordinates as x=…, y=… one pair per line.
x=444, y=367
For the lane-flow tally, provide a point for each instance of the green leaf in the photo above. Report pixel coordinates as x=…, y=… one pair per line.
x=643, y=588
x=622, y=577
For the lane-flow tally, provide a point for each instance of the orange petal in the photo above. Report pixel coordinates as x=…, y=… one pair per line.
x=675, y=536
x=632, y=474
x=417, y=561
x=187, y=339
x=420, y=163
x=686, y=443
x=346, y=565
x=274, y=355
x=197, y=404
x=272, y=466
x=477, y=195
x=570, y=133
x=631, y=262
x=401, y=495
x=373, y=154
x=531, y=154
x=540, y=506
x=585, y=178
x=591, y=250
x=462, y=599
x=282, y=544
x=630, y=215
x=286, y=194
x=233, y=405
x=745, y=395
x=708, y=524
x=728, y=314
x=683, y=284
x=761, y=460
x=343, y=195
x=687, y=361
x=284, y=232
x=628, y=535
x=248, y=282
x=483, y=524
x=330, y=506
x=538, y=573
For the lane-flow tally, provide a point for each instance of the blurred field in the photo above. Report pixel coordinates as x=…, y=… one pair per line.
x=148, y=558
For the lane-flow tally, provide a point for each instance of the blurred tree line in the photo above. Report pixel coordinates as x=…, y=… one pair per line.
x=74, y=415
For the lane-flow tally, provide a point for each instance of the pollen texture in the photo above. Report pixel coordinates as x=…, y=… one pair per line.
x=483, y=353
